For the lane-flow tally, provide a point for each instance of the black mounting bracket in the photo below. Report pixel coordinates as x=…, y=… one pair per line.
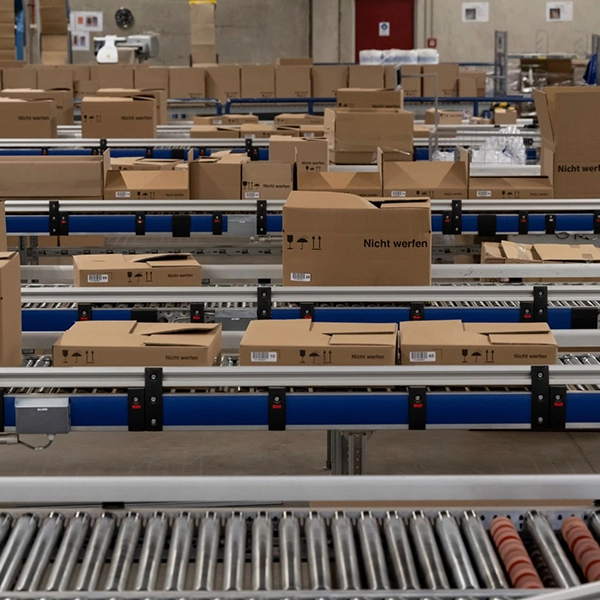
x=153, y=414
x=261, y=217
x=140, y=223
x=217, y=223
x=181, y=225
x=277, y=409
x=540, y=398
x=307, y=310
x=452, y=221
x=263, y=307
x=417, y=408
x=197, y=312
x=523, y=223
x=417, y=311
x=550, y=223
x=84, y=312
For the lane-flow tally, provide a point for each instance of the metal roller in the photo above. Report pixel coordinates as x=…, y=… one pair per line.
x=594, y=525
x=290, y=558
x=15, y=549
x=122, y=556
x=400, y=553
x=550, y=548
x=152, y=552
x=317, y=552
x=429, y=558
x=372, y=552
x=482, y=551
x=346, y=560
x=40, y=553
x=262, y=553
x=68, y=553
x=179, y=552
x=235, y=552
x=95, y=554
x=209, y=531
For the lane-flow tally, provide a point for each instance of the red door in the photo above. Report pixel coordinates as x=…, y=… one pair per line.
x=384, y=24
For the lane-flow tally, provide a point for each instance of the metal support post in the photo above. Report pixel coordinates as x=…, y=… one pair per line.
x=500, y=63
x=348, y=451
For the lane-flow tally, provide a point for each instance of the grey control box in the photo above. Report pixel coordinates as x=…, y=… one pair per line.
x=42, y=415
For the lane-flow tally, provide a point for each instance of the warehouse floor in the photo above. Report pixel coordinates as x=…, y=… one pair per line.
x=303, y=453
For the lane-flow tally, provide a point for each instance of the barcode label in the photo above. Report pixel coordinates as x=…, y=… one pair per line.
x=252, y=195
x=123, y=194
x=263, y=356
x=398, y=194
x=250, y=136
x=484, y=194
x=97, y=278
x=422, y=357
x=300, y=276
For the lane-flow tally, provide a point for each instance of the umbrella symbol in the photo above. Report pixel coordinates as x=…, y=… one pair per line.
x=314, y=356
x=76, y=356
x=302, y=241
x=476, y=355
x=138, y=276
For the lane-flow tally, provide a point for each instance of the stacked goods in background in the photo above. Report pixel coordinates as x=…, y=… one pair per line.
x=7, y=30
x=203, y=38
x=54, y=33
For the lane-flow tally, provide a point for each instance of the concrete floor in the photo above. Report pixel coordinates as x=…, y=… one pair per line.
x=303, y=453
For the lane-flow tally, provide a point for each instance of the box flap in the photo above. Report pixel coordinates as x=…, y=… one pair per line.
x=326, y=200
x=173, y=334
x=507, y=328
x=522, y=339
x=160, y=259
x=360, y=339
x=543, y=115
x=518, y=252
x=567, y=253
x=425, y=174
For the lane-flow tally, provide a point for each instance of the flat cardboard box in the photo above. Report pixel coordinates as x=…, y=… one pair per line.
x=118, y=117
x=223, y=82
x=498, y=188
x=28, y=118
x=445, y=117
x=266, y=180
x=327, y=79
x=366, y=76
x=63, y=100
x=229, y=119
x=151, y=78
x=567, y=253
x=292, y=119
x=10, y=310
x=303, y=342
x=52, y=78
x=112, y=76
x=187, y=82
x=505, y=117
x=51, y=177
x=570, y=134
x=217, y=178
x=430, y=343
x=361, y=184
x=292, y=82
x=133, y=344
x=138, y=270
x=256, y=130
x=146, y=185
x=363, y=130
x=447, y=80
x=333, y=239
x=412, y=82
x=213, y=132
x=370, y=98
x=258, y=81
x=309, y=154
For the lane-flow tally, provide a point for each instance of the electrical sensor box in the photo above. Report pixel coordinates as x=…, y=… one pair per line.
x=42, y=415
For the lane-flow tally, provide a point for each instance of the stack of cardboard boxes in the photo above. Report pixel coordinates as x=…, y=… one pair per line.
x=54, y=38
x=7, y=30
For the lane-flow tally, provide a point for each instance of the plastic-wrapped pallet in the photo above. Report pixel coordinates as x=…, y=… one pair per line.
x=427, y=56
x=400, y=57
x=370, y=57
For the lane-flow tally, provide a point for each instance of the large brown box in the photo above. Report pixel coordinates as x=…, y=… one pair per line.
x=63, y=100
x=505, y=117
x=55, y=78
x=27, y=118
x=258, y=81
x=570, y=132
x=366, y=98
x=51, y=177
x=309, y=154
x=266, y=180
x=445, y=117
x=133, y=344
x=303, y=342
x=447, y=79
x=223, y=82
x=328, y=79
x=19, y=78
x=499, y=188
x=137, y=270
x=292, y=82
x=217, y=178
x=293, y=119
x=362, y=184
x=412, y=82
x=151, y=78
x=332, y=239
x=159, y=96
x=486, y=344
x=256, y=130
x=187, y=82
x=147, y=185
x=10, y=310
x=366, y=76
x=118, y=117
x=112, y=76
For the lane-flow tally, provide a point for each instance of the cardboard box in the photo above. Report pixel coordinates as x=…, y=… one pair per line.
x=510, y=252
x=229, y=119
x=309, y=154
x=118, y=117
x=391, y=77
x=19, y=78
x=287, y=119
x=366, y=98
x=10, y=310
x=447, y=80
x=51, y=177
x=217, y=178
x=365, y=158
x=256, y=130
x=151, y=78
x=133, y=344
x=137, y=270
x=498, y=188
x=85, y=88
x=213, y=132
x=131, y=163
x=295, y=61
x=366, y=76
x=467, y=84
x=266, y=180
x=258, y=81
x=328, y=79
x=357, y=130
x=303, y=342
x=204, y=54
x=223, y=82
x=159, y=97
x=422, y=131
x=332, y=239
x=412, y=82
x=187, y=82
x=501, y=253
x=55, y=49
x=505, y=117
x=292, y=82
x=305, y=131
x=361, y=184
x=445, y=117
x=53, y=78
x=3, y=236
x=28, y=118
x=112, y=76
x=146, y=185
x=63, y=99
x=456, y=343
x=570, y=139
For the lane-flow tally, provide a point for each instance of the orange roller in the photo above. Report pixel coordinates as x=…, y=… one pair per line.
x=498, y=521
x=593, y=573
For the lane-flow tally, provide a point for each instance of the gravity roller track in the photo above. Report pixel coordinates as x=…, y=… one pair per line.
x=304, y=552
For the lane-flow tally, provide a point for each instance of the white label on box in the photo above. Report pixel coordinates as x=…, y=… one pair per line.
x=398, y=194
x=308, y=134
x=123, y=194
x=252, y=195
x=475, y=12
x=422, y=357
x=250, y=136
x=217, y=121
x=484, y=194
x=559, y=11
x=263, y=357
x=97, y=278
x=300, y=276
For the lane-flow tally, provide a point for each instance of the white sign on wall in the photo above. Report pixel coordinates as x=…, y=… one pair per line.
x=384, y=29
x=87, y=20
x=475, y=12
x=80, y=41
x=559, y=11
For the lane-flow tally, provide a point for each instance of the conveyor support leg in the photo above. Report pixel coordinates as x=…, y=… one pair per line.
x=347, y=452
